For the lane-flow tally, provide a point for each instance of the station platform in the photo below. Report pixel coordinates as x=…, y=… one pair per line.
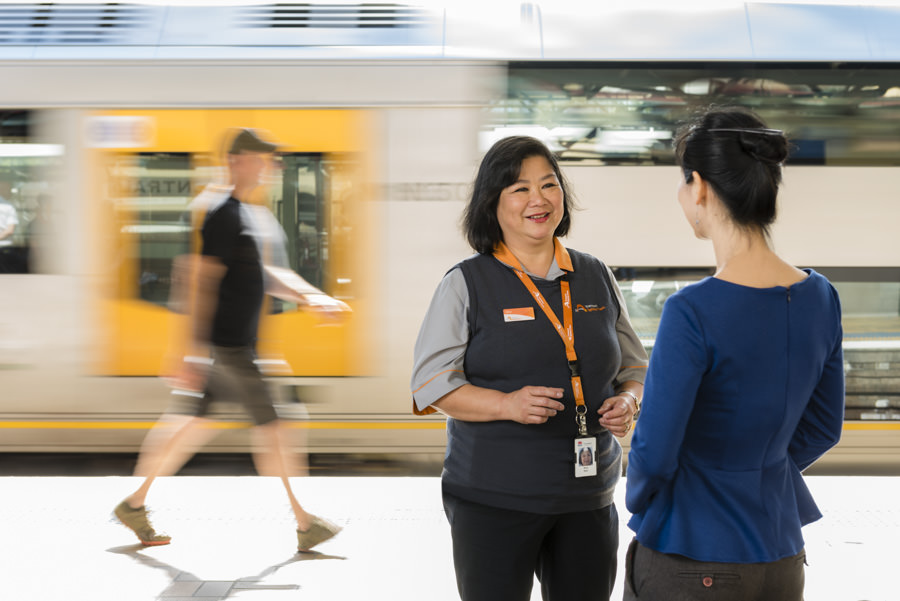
x=233, y=538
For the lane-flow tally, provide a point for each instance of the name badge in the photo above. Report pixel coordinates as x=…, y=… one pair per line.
x=521, y=314
x=585, y=457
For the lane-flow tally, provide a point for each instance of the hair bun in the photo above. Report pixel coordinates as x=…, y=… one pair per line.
x=766, y=146
x=741, y=158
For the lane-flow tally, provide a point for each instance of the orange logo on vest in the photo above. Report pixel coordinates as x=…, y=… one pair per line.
x=589, y=308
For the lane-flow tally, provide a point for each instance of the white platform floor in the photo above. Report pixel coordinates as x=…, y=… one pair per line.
x=233, y=538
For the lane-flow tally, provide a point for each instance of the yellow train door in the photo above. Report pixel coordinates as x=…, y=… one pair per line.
x=150, y=164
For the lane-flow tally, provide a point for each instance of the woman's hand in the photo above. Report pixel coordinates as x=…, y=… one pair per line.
x=617, y=414
x=531, y=404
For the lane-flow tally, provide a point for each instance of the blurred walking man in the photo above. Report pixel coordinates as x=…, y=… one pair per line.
x=230, y=281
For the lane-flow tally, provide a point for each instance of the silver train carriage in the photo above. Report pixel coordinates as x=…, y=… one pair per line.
x=112, y=120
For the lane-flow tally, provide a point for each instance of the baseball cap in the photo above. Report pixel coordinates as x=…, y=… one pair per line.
x=248, y=140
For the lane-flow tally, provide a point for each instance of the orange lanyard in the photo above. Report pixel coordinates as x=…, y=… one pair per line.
x=565, y=329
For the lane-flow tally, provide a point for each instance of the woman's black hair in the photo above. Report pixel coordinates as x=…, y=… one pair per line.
x=499, y=169
x=734, y=151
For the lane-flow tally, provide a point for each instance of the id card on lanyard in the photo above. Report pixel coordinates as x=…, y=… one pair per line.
x=566, y=331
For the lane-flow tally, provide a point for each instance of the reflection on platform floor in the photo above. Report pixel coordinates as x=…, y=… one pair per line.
x=233, y=538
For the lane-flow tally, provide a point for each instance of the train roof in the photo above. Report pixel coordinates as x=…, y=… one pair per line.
x=648, y=30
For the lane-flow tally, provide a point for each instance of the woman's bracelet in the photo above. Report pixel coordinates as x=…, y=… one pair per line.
x=637, y=401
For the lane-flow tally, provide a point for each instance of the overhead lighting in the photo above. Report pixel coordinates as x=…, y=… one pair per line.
x=31, y=150
x=641, y=286
x=486, y=139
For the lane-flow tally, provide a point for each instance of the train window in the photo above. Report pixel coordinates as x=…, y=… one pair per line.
x=646, y=289
x=627, y=113
x=154, y=191
x=870, y=301
x=300, y=188
x=870, y=298
x=25, y=167
x=301, y=211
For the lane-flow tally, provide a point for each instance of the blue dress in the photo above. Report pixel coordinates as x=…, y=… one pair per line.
x=745, y=390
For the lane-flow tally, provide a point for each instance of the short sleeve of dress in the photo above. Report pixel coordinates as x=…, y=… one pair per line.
x=439, y=355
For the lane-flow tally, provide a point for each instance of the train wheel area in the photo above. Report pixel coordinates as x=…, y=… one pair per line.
x=219, y=464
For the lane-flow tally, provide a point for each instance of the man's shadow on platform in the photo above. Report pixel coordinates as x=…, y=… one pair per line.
x=186, y=584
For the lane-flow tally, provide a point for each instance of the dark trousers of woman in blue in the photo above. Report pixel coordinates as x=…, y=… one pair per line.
x=654, y=576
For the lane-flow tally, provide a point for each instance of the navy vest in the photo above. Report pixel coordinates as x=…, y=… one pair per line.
x=530, y=467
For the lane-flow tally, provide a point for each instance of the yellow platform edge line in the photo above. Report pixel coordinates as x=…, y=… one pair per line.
x=146, y=425
x=872, y=426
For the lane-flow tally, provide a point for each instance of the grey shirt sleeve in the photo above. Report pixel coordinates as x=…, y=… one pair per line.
x=634, y=357
x=440, y=349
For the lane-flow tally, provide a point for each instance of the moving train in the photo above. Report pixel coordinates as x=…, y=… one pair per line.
x=113, y=117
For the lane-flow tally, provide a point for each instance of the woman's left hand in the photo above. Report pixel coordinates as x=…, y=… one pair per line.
x=616, y=415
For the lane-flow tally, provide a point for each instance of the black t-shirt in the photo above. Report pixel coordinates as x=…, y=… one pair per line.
x=227, y=237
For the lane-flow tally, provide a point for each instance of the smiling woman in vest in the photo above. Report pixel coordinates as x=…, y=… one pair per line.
x=745, y=389
x=529, y=377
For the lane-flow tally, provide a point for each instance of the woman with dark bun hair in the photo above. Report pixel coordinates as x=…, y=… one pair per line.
x=745, y=389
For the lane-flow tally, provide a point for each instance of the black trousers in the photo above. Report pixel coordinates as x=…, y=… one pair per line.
x=497, y=552
x=654, y=576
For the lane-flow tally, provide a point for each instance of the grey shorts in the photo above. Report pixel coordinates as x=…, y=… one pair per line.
x=233, y=377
